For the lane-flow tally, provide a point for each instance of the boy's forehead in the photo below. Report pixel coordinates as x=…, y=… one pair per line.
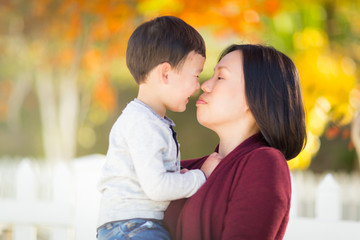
x=191, y=55
x=195, y=61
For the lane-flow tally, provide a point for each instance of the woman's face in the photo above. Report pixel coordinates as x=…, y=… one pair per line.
x=223, y=102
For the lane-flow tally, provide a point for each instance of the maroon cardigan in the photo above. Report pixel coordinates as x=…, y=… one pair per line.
x=246, y=197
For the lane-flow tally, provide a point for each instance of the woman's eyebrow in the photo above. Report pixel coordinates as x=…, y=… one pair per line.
x=222, y=67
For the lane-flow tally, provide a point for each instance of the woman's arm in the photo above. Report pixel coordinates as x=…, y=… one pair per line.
x=259, y=206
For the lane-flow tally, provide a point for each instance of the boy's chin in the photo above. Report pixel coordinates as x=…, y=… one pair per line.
x=179, y=109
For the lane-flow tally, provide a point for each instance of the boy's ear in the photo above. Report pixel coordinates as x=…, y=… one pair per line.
x=164, y=71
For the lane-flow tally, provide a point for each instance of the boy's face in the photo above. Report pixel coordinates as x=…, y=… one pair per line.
x=184, y=82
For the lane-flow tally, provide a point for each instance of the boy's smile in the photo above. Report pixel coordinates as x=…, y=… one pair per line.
x=184, y=83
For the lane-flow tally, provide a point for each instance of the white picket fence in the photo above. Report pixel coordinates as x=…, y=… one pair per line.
x=45, y=202
x=324, y=207
x=39, y=201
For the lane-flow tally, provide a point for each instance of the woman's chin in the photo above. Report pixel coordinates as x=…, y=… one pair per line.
x=202, y=120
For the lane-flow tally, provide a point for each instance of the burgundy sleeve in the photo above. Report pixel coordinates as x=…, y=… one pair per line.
x=172, y=214
x=259, y=204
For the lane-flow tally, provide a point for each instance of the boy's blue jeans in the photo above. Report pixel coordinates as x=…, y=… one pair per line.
x=135, y=229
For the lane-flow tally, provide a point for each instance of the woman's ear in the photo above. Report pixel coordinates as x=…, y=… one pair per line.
x=247, y=108
x=164, y=71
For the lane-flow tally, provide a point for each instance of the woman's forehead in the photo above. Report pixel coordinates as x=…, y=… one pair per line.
x=230, y=61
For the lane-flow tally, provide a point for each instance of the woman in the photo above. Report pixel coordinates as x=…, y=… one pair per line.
x=254, y=104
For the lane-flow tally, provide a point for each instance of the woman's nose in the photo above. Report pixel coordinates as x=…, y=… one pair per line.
x=206, y=86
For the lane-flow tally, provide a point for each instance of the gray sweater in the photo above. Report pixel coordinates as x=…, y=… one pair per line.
x=141, y=174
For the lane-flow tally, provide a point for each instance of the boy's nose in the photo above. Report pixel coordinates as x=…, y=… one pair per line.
x=197, y=85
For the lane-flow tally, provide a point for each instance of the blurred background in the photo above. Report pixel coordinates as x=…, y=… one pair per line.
x=64, y=81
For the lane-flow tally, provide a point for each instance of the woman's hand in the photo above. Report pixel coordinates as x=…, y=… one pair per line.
x=210, y=163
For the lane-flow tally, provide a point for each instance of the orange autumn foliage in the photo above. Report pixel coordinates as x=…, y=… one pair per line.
x=104, y=94
x=91, y=35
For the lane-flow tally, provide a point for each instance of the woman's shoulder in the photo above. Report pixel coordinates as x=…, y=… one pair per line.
x=269, y=166
x=266, y=152
x=266, y=156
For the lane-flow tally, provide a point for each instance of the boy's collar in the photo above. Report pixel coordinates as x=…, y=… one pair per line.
x=164, y=119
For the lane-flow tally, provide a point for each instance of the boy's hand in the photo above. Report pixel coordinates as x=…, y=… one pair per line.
x=210, y=163
x=184, y=170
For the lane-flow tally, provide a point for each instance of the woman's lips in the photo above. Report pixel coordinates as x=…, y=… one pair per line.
x=200, y=101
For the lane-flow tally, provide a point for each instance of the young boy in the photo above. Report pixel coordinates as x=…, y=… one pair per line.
x=142, y=170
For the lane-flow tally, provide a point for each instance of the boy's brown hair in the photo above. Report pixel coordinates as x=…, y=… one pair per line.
x=163, y=39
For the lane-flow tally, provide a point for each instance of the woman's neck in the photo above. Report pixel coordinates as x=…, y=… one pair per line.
x=232, y=137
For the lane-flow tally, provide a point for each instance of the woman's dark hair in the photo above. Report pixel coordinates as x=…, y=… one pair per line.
x=273, y=93
x=163, y=39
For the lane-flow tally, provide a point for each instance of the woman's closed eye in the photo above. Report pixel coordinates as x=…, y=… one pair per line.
x=220, y=78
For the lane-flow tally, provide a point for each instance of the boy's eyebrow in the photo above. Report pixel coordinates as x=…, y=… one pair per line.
x=199, y=70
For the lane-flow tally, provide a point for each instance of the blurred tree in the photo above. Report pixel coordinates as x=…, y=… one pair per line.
x=71, y=51
x=63, y=50
x=314, y=33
